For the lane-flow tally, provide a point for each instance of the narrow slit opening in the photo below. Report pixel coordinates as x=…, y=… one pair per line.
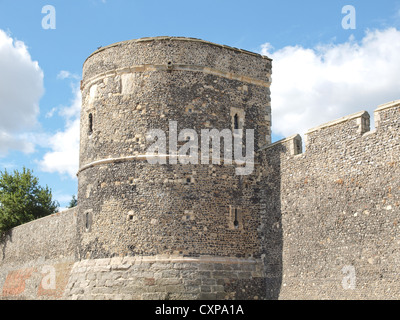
x=90, y=123
x=236, y=222
x=236, y=122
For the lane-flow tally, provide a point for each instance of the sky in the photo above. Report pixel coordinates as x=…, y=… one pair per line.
x=328, y=62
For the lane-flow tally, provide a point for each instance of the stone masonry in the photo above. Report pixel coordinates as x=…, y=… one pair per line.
x=318, y=224
x=337, y=208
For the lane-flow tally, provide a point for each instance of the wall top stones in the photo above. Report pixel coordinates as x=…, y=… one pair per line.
x=391, y=104
x=294, y=143
x=361, y=114
x=148, y=39
x=169, y=53
x=342, y=130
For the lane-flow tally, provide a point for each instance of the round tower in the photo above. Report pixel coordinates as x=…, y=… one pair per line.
x=137, y=202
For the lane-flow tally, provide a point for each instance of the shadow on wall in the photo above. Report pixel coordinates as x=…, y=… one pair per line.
x=5, y=237
x=271, y=220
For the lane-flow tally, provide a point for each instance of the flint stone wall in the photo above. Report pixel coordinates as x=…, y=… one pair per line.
x=339, y=204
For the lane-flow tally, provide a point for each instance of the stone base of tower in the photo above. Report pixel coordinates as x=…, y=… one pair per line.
x=167, y=278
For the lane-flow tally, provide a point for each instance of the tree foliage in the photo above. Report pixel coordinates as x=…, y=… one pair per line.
x=22, y=199
x=73, y=202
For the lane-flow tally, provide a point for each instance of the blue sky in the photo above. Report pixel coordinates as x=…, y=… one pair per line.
x=321, y=71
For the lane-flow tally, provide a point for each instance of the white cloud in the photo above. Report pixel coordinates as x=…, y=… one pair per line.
x=314, y=86
x=15, y=142
x=21, y=87
x=63, y=74
x=50, y=114
x=64, y=155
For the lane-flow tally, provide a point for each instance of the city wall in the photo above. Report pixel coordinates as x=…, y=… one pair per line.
x=318, y=224
x=35, y=251
x=40, y=260
x=332, y=212
x=338, y=204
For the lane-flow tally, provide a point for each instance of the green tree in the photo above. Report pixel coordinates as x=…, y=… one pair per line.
x=22, y=199
x=73, y=202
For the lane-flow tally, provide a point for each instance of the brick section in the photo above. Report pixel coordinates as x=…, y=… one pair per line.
x=15, y=282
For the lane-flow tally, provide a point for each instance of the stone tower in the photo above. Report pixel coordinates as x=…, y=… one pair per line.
x=151, y=223
x=195, y=229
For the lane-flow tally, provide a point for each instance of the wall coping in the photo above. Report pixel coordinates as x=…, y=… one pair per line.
x=56, y=214
x=167, y=259
x=340, y=120
x=388, y=105
x=279, y=142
